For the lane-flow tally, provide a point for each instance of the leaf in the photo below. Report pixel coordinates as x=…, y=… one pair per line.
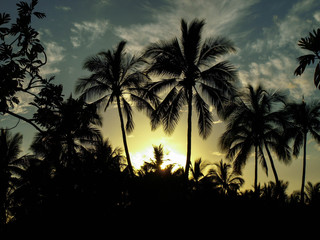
x=317, y=76
x=4, y=18
x=34, y=3
x=39, y=15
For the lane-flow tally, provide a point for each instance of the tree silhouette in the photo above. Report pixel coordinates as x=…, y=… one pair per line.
x=21, y=56
x=275, y=191
x=62, y=140
x=11, y=168
x=191, y=79
x=305, y=118
x=312, y=44
x=116, y=78
x=226, y=181
x=313, y=193
x=253, y=123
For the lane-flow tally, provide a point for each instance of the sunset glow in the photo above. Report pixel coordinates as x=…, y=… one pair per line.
x=170, y=157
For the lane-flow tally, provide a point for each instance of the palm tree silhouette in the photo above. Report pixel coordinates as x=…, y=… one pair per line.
x=115, y=78
x=11, y=168
x=197, y=171
x=226, y=181
x=253, y=123
x=313, y=193
x=191, y=79
x=305, y=118
x=275, y=191
x=311, y=43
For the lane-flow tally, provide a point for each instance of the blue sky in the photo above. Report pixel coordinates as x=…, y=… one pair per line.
x=265, y=33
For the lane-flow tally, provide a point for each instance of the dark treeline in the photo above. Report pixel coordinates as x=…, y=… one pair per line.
x=75, y=180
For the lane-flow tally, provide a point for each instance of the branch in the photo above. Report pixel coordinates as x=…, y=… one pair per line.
x=24, y=119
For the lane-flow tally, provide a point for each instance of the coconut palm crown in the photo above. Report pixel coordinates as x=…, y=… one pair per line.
x=190, y=75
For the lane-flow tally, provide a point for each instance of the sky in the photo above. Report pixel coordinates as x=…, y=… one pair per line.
x=265, y=33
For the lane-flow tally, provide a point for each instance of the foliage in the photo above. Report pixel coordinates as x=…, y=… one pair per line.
x=192, y=77
x=116, y=79
x=304, y=119
x=76, y=181
x=312, y=44
x=21, y=56
x=254, y=122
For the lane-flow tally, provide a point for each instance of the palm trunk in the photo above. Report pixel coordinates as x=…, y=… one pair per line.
x=304, y=166
x=272, y=165
x=188, y=162
x=256, y=170
x=124, y=138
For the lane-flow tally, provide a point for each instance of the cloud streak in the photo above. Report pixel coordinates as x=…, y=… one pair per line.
x=55, y=54
x=273, y=54
x=87, y=32
x=221, y=18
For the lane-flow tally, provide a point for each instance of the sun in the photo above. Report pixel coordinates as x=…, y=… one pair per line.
x=171, y=156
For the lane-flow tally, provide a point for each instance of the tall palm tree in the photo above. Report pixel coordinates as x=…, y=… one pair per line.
x=116, y=79
x=190, y=78
x=305, y=119
x=11, y=168
x=225, y=180
x=311, y=43
x=254, y=123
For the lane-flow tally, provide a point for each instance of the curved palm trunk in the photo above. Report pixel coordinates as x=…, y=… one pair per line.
x=188, y=161
x=124, y=138
x=256, y=170
x=272, y=165
x=304, y=166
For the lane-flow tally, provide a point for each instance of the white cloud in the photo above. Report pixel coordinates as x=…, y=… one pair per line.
x=276, y=50
x=64, y=8
x=316, y=16
x=217, y=154
x=55, y=54
x=87, y=32
x=220, y=16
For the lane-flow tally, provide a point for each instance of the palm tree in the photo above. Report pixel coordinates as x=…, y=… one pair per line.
x=156, y=165
x=225, y=180
x=275, y=191
x=313, y=193
x=305, y=118
x=311, y=43
x=254, y=123
x=11, y=168
x=190, y=78
x=115, y=78
x=197, y=171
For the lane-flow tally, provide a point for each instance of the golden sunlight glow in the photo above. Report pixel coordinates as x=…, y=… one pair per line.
x=171, y=156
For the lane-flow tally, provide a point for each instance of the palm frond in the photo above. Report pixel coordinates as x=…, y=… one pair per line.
x=128, y=113
x=262, y=158
x=191, y=39
x=205, y=117
x=213, y=48
x=160, y=86
x=142, y=104
x=304, y=61
x=172, y=116
x=95, y=63
x=219, y=74
x=162, y=108
x=167, y=58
